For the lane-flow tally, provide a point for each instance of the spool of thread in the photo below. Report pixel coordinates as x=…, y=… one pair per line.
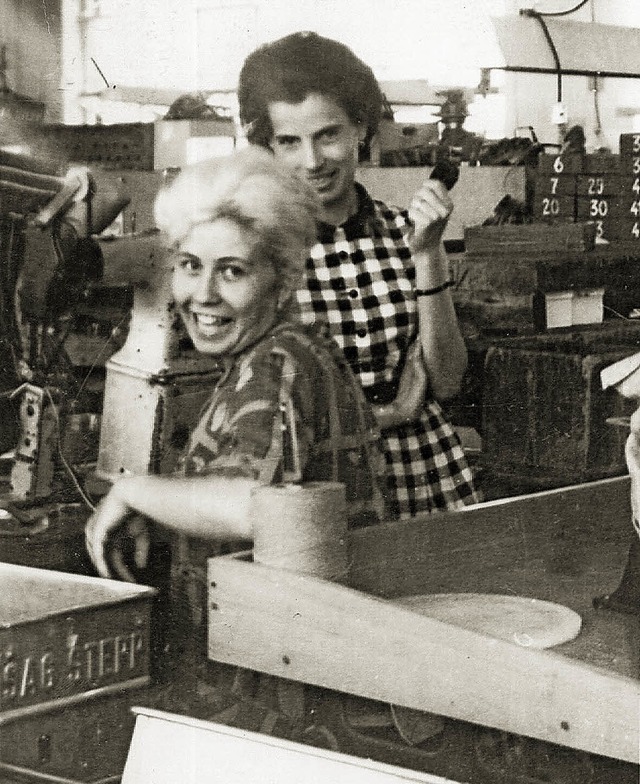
x=301, y=527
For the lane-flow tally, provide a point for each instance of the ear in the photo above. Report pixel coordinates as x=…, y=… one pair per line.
x=284, y=297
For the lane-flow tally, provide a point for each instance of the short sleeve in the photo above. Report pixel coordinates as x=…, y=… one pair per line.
x=253, y=423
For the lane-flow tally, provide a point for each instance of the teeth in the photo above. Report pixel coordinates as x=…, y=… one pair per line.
x=210, y=321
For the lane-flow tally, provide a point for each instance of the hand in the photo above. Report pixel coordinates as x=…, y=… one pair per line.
x=429, y=212
x=409, y=401
x=107, y=529
x=632, y=456
x=413, y=384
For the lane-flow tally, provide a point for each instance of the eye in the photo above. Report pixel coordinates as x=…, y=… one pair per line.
x=232, y=272
x=286, y=142
x=331, y=134
x=188, y=262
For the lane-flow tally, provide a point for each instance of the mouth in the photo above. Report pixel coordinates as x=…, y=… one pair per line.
x=209, y=325
x=322, y=181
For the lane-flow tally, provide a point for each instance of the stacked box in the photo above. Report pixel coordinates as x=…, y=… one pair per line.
x=555, y=187
x=598, y=200
x=544, y=411
x=630, y=187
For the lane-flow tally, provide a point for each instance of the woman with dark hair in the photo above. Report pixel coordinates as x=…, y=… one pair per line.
x=377, y=276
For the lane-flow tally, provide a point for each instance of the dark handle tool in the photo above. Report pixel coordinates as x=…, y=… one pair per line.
x=446, y=172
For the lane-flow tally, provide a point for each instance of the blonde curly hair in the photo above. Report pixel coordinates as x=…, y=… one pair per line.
x=252, y=190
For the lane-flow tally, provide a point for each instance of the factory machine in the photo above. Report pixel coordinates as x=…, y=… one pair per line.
x=369, y=664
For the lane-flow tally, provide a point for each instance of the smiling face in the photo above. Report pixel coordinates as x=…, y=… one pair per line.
x=319, y=143
x=226, y=297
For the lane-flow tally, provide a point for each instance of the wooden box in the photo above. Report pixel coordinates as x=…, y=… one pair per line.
x=565, y=546
x=65, y=638
x=529, y=239
x=544, y=413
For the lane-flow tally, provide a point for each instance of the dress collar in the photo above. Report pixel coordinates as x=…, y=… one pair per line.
x=365, y=221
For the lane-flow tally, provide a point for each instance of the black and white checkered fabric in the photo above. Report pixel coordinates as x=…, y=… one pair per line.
x=360, y=280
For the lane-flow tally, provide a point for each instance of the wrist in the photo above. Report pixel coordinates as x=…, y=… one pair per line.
x=434, y=271
x=433, y=290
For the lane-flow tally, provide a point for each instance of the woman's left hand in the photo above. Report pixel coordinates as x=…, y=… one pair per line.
x=409, y=401
x=429, y=212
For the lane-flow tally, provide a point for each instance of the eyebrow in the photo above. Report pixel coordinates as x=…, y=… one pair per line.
x=221, y=260
x=327, y=128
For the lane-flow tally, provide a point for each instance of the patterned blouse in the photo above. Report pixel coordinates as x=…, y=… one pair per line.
x=286, y=409
x=360, y=281
x=289, y=409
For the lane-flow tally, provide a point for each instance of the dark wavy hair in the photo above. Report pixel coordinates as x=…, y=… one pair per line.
x=291, y=68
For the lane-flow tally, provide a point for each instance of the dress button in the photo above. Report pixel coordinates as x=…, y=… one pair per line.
x=353, y=293
x=361, y=333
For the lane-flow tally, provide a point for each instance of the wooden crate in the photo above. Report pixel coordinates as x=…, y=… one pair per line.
x=529, y=239
x=65, y=638
x=565, y=545
x=543, y=408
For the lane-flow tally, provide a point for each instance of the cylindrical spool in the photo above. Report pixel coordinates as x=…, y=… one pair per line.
x=301, y=527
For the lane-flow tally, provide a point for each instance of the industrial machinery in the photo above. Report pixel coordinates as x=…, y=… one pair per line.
x=49, y=256
x=345, y=666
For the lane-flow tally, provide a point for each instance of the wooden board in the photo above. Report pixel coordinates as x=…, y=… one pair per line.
x=347, y=639
x=167, y=748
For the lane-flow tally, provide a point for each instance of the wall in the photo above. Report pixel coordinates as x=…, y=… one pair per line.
x=530, y=97
x=194, y=44
x=31, y=31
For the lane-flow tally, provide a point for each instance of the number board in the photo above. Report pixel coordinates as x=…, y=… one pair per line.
x=604, y=211
x=572, y=163
x=629, y=145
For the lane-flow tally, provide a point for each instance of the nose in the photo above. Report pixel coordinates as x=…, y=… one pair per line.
x=312, y=155
x=207, y=289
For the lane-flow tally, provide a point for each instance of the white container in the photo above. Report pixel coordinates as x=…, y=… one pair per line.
x=587, y=306
x=569, y=308
x=558, y=309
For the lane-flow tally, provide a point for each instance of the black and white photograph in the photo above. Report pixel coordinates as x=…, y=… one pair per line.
x=319, y=391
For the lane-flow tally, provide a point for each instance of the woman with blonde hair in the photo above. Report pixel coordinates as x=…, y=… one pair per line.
x=238, y=229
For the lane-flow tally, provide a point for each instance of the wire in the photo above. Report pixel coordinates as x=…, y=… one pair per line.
x=564, y=13
x=554, y=52
x=83, y=494
x=615, y=313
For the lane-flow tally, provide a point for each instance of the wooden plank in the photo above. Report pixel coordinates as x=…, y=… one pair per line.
x=341, y=638
x=167, y=748
x=509, y=542
x=306, y=629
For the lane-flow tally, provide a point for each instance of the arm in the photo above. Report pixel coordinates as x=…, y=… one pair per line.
x=204, y=506
x=443, y=347
x=632, y=457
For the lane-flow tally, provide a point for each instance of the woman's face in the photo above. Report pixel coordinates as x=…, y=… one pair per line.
x=318, y=141
x=226, y=297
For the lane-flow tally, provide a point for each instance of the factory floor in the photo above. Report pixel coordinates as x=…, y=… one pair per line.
x=571, y=573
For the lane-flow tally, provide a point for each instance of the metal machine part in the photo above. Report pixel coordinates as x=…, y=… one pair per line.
x=456, y=750
x=48, y=257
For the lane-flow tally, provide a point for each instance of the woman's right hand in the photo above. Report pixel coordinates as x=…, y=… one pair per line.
x=107, y=529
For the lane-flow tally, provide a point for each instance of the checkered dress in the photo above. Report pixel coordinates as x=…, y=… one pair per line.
x=360, y=281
